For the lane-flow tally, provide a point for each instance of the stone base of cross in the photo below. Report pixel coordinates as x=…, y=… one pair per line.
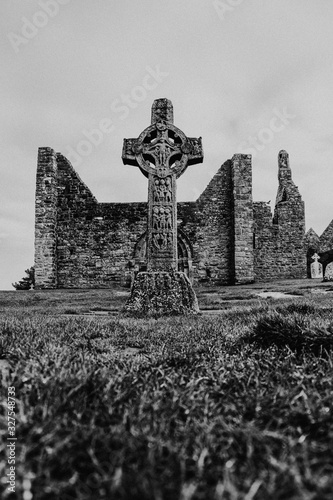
x=161, y=294
x=162, y=152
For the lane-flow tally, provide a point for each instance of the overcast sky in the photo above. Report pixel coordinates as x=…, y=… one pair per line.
x=252, y=76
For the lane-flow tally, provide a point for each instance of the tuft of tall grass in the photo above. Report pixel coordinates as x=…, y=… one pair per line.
x=291, y=328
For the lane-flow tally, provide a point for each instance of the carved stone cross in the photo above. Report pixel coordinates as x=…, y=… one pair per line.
x=162, y=152
x=315, y=257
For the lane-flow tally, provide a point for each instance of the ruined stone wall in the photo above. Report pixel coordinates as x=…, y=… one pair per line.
x=242, y=218
x=265, y=241
x=93, y=244
x=81, y=243
x=312, y=240
x=95, y=240
x=279, y=242
x=46, y=219
x=326, y=239
x=77, y=208
x=213, y=243
x=220, y=226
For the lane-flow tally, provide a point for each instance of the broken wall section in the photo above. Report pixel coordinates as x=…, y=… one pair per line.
x=95, y=240
x=213, y=243
x=242, y=219
x=80, y=243
x=280, y=241
x=222, y=229
x=46, y=213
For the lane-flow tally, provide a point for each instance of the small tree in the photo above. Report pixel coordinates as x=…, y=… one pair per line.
x=27, y=282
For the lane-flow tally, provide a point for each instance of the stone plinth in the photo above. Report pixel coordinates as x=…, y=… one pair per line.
x=161, y=294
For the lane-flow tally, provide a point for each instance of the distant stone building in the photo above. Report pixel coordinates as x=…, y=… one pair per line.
x=223, y=237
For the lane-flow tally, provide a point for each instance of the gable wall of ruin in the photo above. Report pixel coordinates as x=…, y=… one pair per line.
x=279, y=240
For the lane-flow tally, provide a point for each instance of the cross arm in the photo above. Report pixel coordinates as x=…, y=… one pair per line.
x=129, y=152
x=131, y=155
x=195, y=154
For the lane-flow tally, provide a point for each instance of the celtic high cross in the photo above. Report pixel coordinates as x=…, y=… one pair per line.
x=162, y=152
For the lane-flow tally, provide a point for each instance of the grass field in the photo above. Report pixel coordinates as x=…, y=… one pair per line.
x=235, y=403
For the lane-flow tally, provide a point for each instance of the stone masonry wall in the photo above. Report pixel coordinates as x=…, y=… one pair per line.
x=326, y=239
x=95, y=240
x=243, y=218
x=81, y=243
x=312, y=240
x=265, y=243
x=279, y=242
x=46, y=219
x=213, y=243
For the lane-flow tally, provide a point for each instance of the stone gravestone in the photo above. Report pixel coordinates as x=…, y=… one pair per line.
x=316, y=267
x=162, y=152
x=329, y=272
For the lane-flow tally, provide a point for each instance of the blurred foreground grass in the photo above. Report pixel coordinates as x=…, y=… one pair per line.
x=235, y=405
